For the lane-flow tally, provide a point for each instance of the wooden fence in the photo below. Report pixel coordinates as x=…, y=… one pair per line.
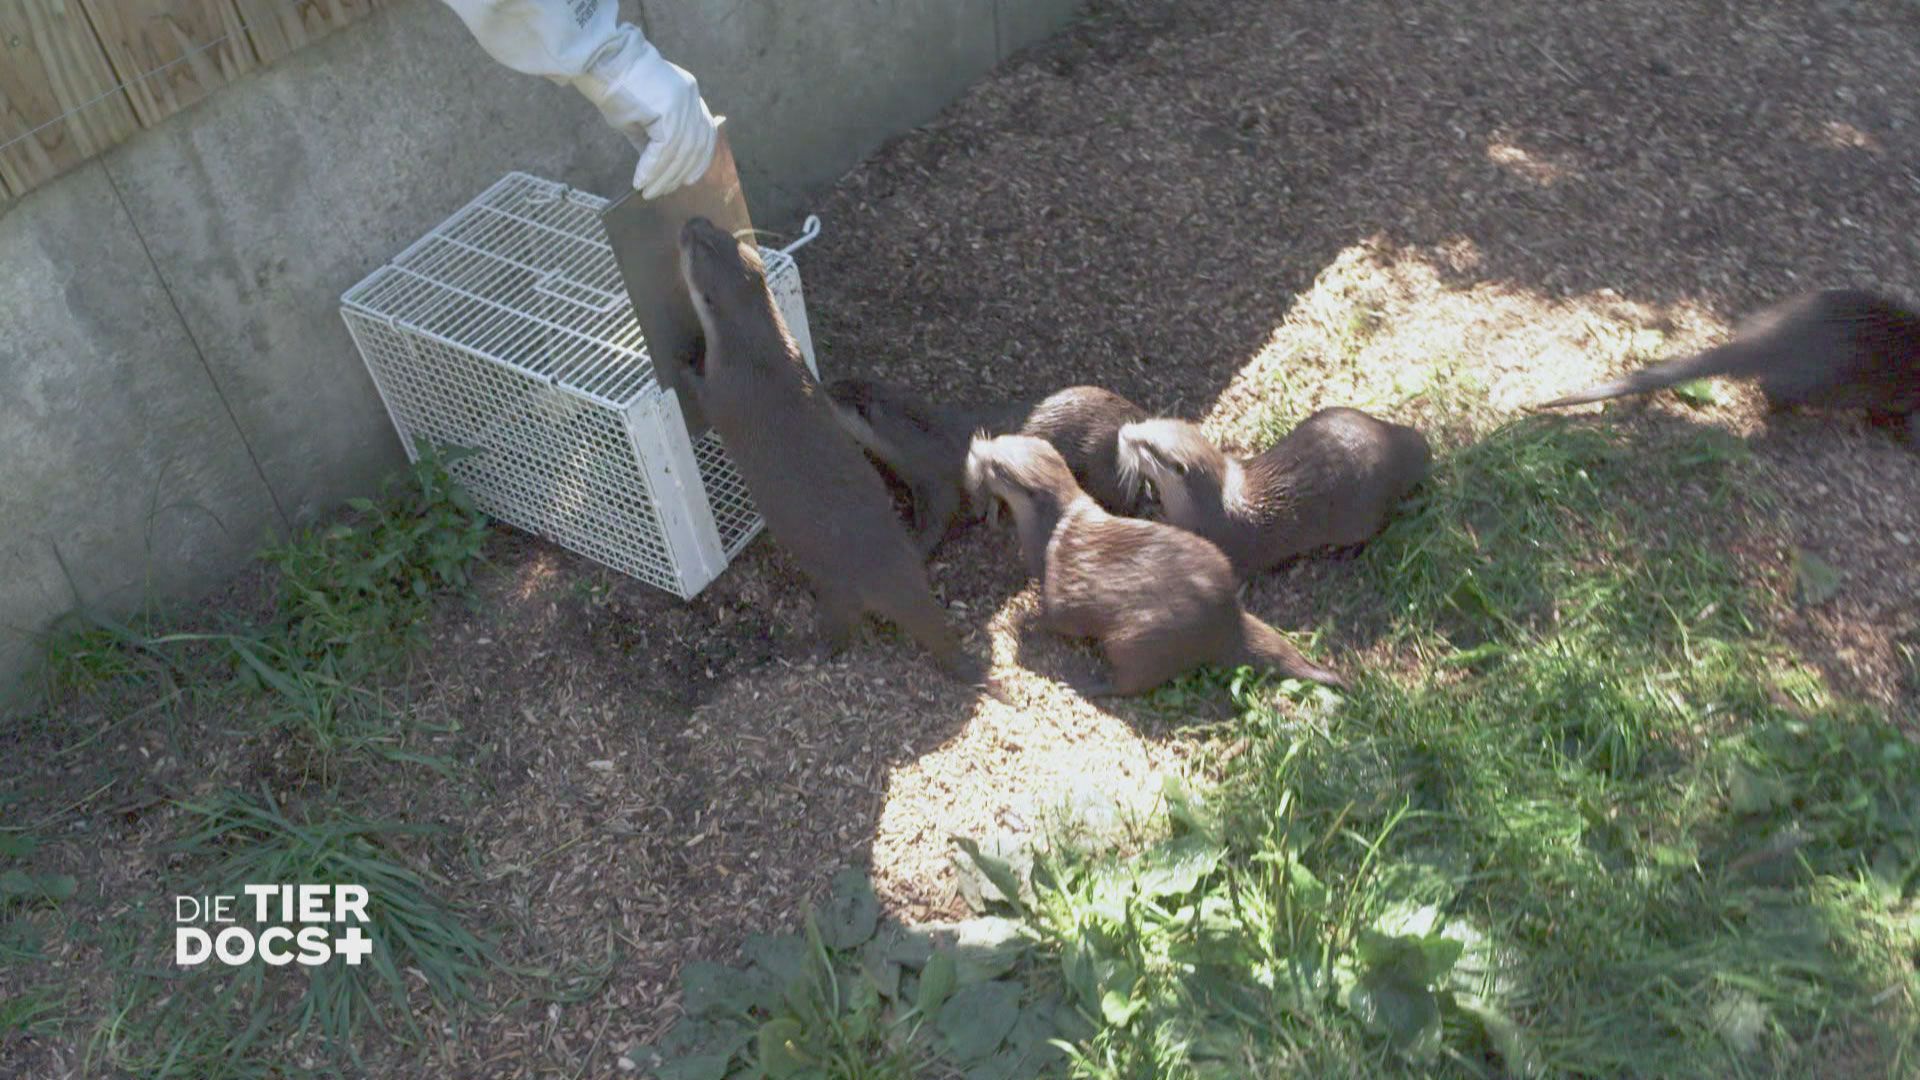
x=78, y=76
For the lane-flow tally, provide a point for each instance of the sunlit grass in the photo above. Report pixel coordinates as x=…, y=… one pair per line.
x=1658, y=845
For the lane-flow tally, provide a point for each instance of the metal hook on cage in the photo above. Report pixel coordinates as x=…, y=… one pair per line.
x=809, y=230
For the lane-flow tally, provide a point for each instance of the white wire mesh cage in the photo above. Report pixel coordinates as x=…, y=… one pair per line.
x=507, y=329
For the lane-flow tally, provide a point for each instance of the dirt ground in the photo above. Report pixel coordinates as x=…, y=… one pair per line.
x=1184, y=202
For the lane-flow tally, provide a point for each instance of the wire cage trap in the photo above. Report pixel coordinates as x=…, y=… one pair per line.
x=508, y=329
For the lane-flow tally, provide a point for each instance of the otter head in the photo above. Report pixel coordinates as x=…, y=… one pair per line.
x=1172, y=457
x=726, y=280
x=1019, y=470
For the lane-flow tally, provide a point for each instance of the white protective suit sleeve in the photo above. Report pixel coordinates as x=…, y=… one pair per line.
x=657, y=105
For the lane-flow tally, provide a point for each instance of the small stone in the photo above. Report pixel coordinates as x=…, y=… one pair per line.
x=627, y=1064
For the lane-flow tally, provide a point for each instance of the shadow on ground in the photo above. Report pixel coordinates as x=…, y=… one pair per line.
x=1141, y=203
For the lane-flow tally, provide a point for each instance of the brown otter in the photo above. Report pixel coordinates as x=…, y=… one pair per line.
x=1831, y=349
x=1331, y=482
x=1160, y=600
x=925, y=445
x=820, y=500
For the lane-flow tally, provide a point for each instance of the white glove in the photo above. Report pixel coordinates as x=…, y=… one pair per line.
x=656, y=105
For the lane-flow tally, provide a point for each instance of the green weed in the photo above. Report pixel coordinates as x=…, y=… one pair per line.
x=86, y=655
x=350, y=600
x=205, y=1022
x=31, y=1012
x=852, y=998
x=1614, y=829
x=351, y=595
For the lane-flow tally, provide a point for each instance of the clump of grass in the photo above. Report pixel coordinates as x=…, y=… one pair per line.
x=33, y=1012
x=27, y=895
x=854, y=997
x=1613, y=830
x=350, y=600
x=351, y=594
x=229, y=1022
x=84, y=655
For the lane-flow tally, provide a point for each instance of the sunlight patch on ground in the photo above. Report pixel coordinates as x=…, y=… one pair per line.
x=1844, y=136
x=1006, y=776
x=536, y=575
x=1409, y=332
x=1525, y=164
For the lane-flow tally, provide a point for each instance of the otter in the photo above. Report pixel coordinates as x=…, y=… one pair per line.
x=925, y=445
x=1839, y=349
x=1159, y=599
x=1332, y=482
x=813, y=488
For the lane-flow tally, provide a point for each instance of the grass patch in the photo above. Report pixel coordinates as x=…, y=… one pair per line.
x=31, y=1013
x=350, y=598
x=1611, y=829
x=854, y=998
x=308, y=682
x=214, y=1021
x=351, y=595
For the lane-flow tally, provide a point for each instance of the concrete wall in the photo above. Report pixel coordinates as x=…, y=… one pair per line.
x=175, y=380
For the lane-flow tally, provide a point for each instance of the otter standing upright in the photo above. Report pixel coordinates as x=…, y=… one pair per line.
x=819, y=498
x=1159, y=599
x=1332, y=482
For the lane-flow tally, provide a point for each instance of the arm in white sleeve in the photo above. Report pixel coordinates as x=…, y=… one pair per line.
x=553, y=38
x=578, y=42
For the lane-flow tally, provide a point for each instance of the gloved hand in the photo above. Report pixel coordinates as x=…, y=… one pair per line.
x=657, y=105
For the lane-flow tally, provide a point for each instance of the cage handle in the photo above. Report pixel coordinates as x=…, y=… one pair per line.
x=601, y=302
x=809, y=229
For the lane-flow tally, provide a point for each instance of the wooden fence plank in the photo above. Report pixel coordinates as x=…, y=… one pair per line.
x=50, y=63
x=278, y=27
x=179, y=41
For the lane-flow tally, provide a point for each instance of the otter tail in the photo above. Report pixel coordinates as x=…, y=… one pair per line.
x=1263, y=646
x=1721, y=360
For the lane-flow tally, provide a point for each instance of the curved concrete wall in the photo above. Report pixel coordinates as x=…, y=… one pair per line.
x=175, y=380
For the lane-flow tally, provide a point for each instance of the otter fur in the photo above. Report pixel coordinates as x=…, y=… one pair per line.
x=1840, y=349
x=1332, y=482
x=1158, y=599
x=821, y=502
x=925, y=445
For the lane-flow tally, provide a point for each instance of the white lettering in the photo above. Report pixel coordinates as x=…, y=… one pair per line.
x=271, y=955
x=313, y=947
x=349, y=900
x=238, y=934
x=260, y=893
x=353, y=945
x=191, y=946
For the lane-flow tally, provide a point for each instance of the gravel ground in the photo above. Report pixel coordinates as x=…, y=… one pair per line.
x=1187, y=202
